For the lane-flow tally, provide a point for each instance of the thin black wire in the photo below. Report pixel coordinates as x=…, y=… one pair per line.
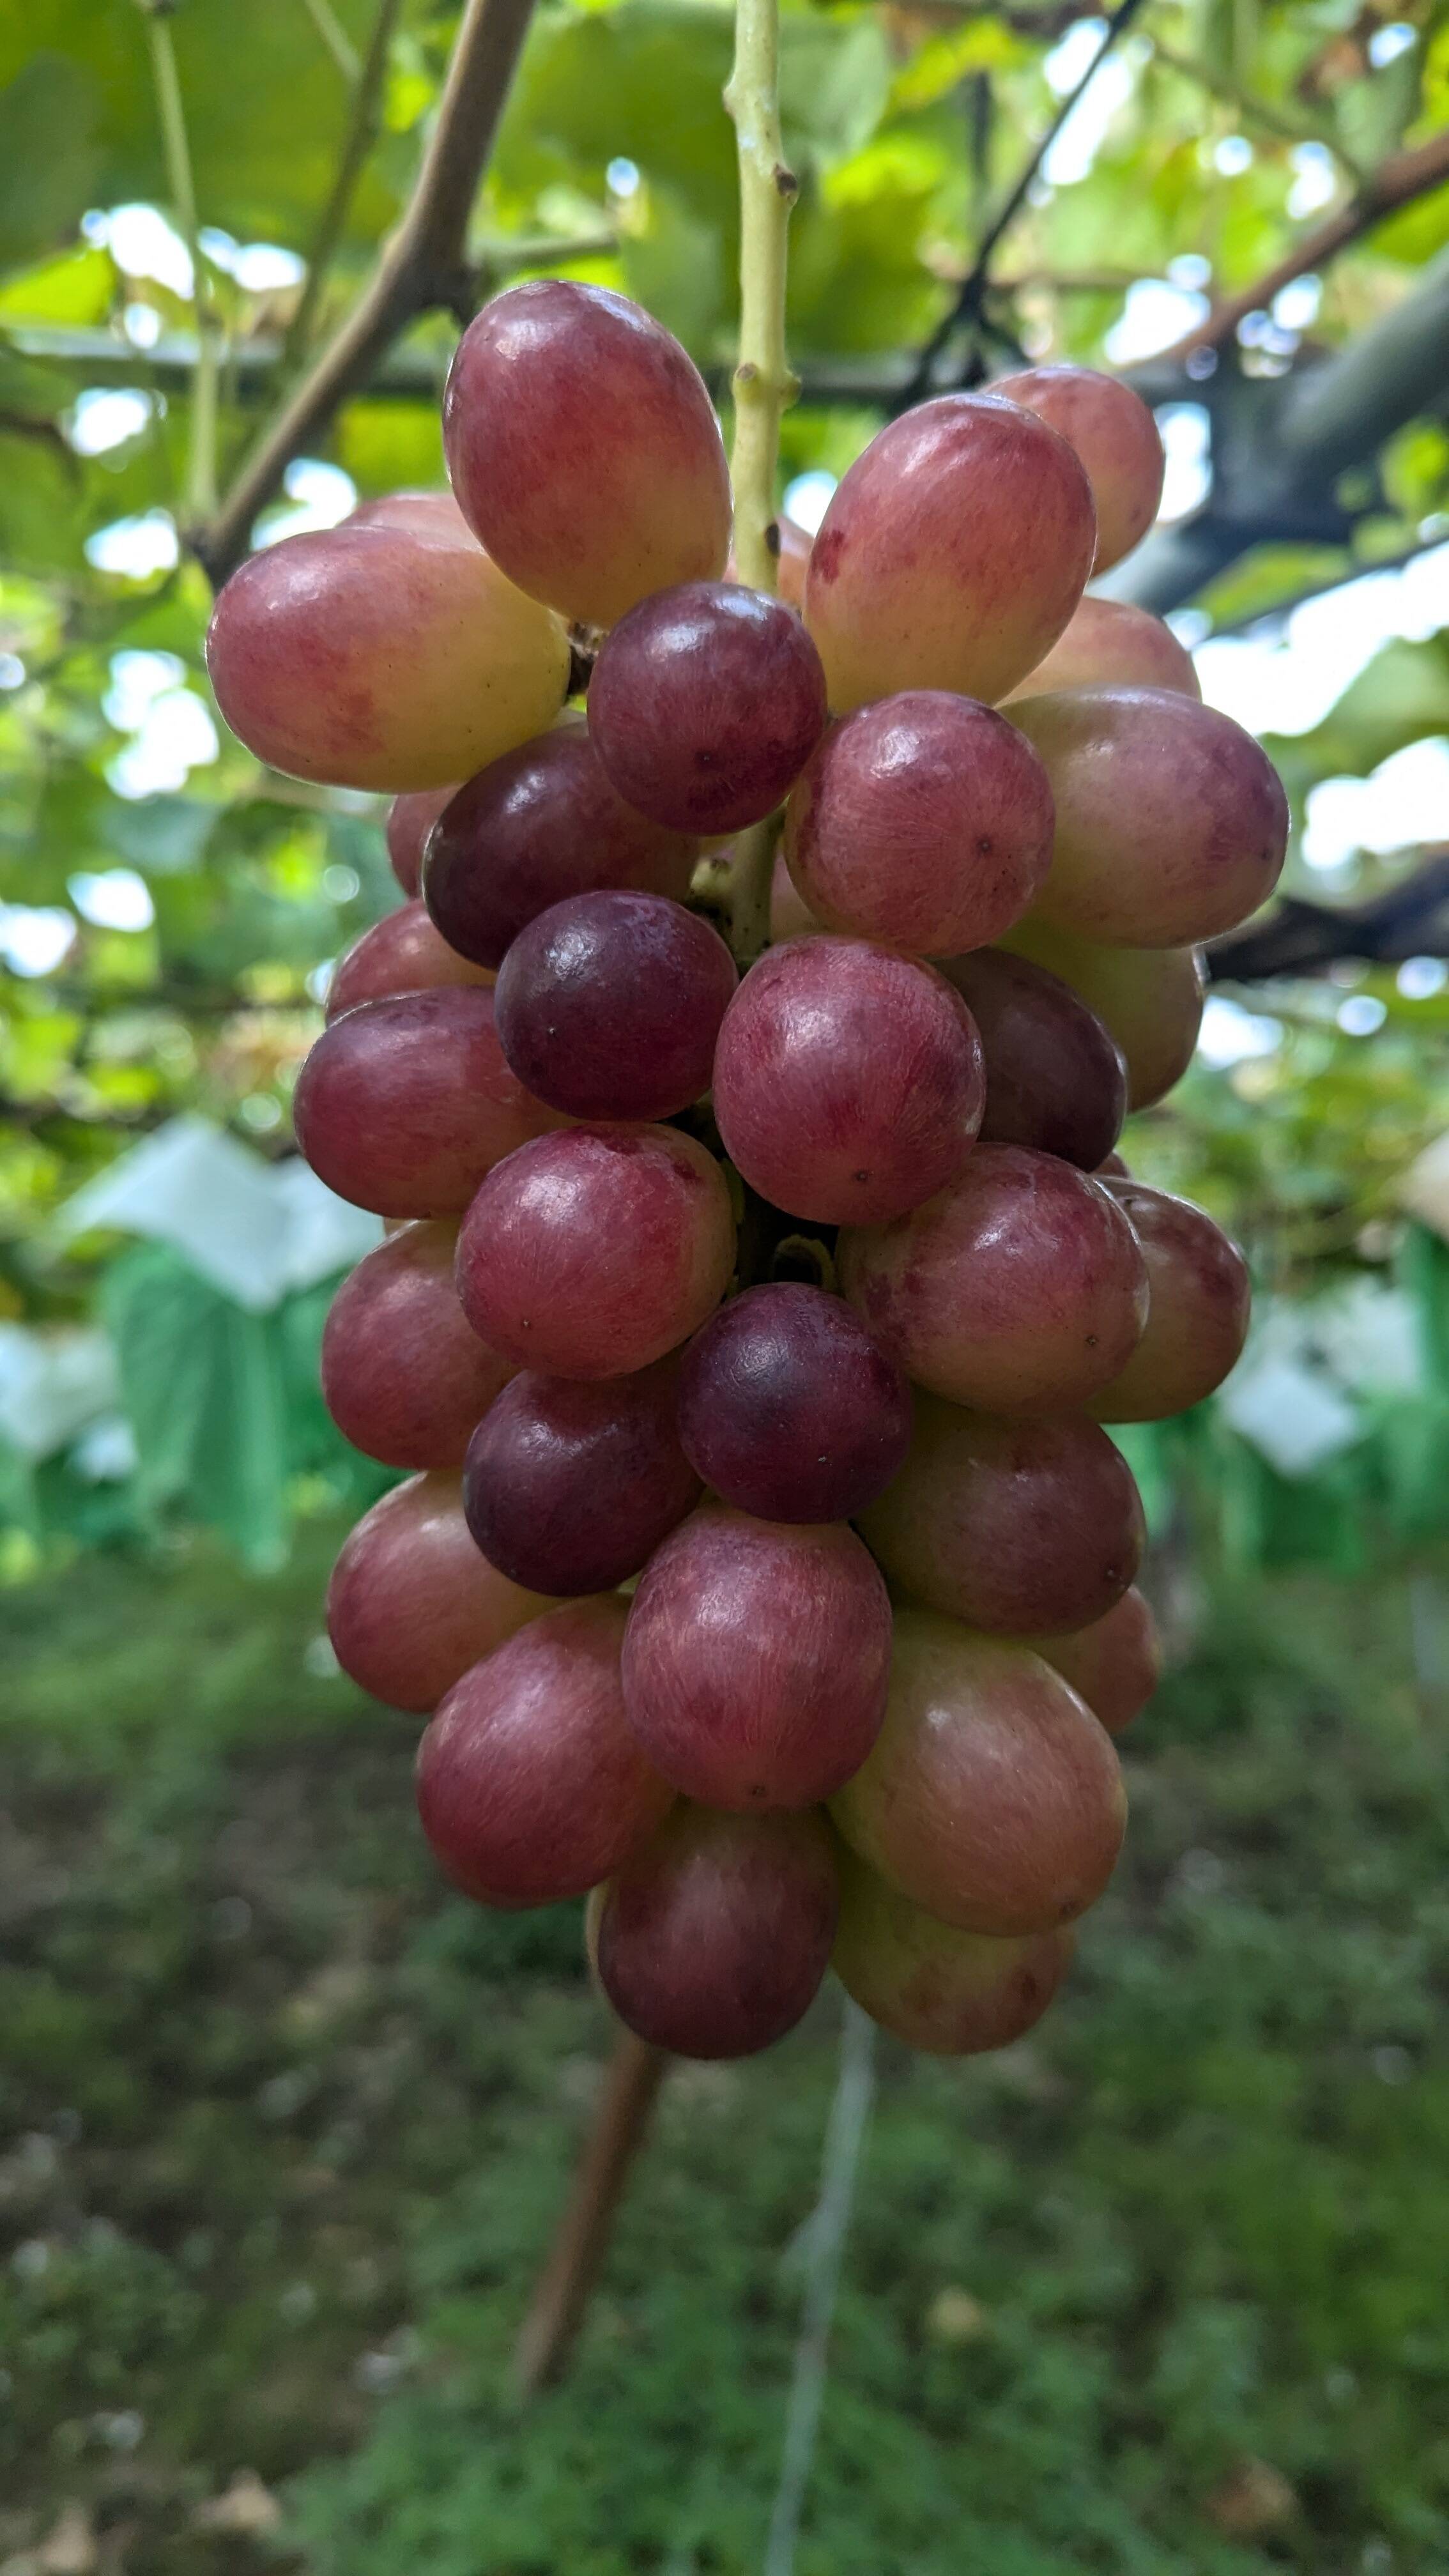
x=970, y=298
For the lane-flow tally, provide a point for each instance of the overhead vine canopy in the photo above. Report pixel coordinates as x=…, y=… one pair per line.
x=227, y=302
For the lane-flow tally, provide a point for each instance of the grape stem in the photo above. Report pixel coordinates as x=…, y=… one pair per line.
x=631, y=2081
x=764, y=387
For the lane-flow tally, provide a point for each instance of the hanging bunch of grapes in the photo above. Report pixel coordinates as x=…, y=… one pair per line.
x=765, y=1568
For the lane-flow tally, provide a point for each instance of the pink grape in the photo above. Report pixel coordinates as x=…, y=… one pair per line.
x=1025, y=1528
x=409, y=821
x=756, y=1658
x=402, y=953
x=713, y=1940
x=993, y=1798
x=1117, y=439
x=584, y=449
x=952, y=554
x=1197, y=1321
x=1172, y=823
x=403, y=1105
x=848, y=1082
x=705, y=704
x=571, y=1483
x=1115, y=1664
x=533, y=828
x=609, y=1005
x=1111, y=644
x=948, y=1992
x=411, y=1603
x=924, y=820
x=1149, y=998
x=367, y=657
x=1055, y=1079
x=404, y=1375
x=592, y=1253
x=1021, y=1288
x=530, y=1785
x=790, y=1409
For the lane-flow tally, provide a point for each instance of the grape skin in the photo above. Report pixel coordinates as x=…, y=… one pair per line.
x=402, y=953
x=584, y=450
x=1056, y=1081
x=1021, y=1288
x=1115, y=1664
x=705, y=704
x=790, y=1409
x=533, y=828
x=404, y=1376
x=609, y=1005
x=924, y=820
x=756, y=1658
x=411, y=1603
x=1020, y=1527
x=404, y=1104
x=530, y=1785
x=848, y=1082
x=1113, y=432
x=592, y=1253
x=409, y=821
x=366, y=657
x=950, y=1993
x=432, y=517
x=1197, y=1320
x=1150, y=999
x=952, y=554
x=571, y=1483
x=993, y=1798
x=1172, y=824
x=713, y=1941
x=1110, y=643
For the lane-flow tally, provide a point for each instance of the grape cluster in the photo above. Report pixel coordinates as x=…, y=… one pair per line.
x=764, y=1567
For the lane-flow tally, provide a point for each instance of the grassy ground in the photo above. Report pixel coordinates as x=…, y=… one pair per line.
x=1160, y=2291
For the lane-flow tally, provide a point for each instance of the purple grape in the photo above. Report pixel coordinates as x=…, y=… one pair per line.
x=579, y=1479
x=609, y=1005
x=705, y=704
x=790, y=1409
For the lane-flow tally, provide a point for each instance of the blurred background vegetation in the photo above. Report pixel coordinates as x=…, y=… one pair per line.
x=1161, y=2290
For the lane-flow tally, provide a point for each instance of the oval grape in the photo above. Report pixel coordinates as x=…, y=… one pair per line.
x=409, y=821
x=705, y=704
x=951, y=1993
x=1056, y=1081
x=1197, y=1320
x=411, y=1603
x=1109, y=643
x=609, y=1005
x=404, y=1376
x=790, y=1409
x=1115, y=1664
x=1111, y=429
x=402, y=953
x=1149, y=998
x=571, y=1483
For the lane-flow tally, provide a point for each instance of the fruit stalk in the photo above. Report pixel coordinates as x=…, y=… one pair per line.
x=634, y=2076
x=764, y=387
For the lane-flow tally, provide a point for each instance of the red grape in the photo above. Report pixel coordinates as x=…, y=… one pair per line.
x=1055, y=1079
x=403, y=1105
x=949, y=1992
x=584, y=449
x=924, y=820
x=404, y=1375
x=433, y=517
x=1024, y=1528
x=411, y=1603
x=1020, y=1288
x=1111, y=644
x=1197, y=1321
x=1149, y=998
x=952, y=554
x=993, y=1797
x=571, y=1483
x=790, y=915
x=713, y=1940
x=1171, y=820
x=705, y=704
x=609, y=1005
x=790, y=1409
x=367, y=657
x=848, y=1081
x=756, y=1658
x=402, y=953
x=533, y=828
x=530, y=1785
x=1117, y=439
x=409, y=821
x=1114, y=1665
x=592, y=1253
